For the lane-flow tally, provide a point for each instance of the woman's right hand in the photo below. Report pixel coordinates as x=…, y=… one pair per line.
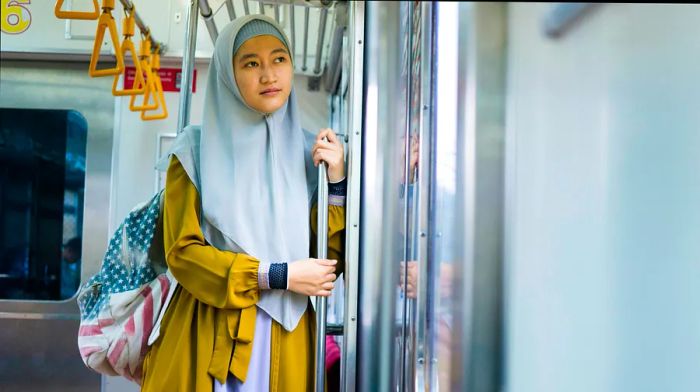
x=312, y=277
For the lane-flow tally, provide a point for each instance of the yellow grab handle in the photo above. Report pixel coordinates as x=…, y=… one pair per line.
x=128, y=46
x=84, y=15
x=158, y=94
x=150, y=86
x=139, y=86
x=105, y=22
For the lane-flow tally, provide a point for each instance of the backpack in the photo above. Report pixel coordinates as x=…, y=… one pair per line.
x=121, y=307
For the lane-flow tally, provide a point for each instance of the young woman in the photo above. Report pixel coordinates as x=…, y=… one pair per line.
x=238, y=227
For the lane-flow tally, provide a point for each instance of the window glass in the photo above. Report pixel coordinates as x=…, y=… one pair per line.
x=42, y=184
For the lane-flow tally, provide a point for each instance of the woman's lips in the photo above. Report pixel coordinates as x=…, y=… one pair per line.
x=271, y=92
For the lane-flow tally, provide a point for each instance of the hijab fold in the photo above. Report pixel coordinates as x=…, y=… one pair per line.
x=254, y=175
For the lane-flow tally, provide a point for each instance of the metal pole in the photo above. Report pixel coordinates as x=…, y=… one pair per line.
x=356, y=36
x=230, y=9
x=306, y=37
x=319, y=43
x=208, y=17
x=294, y=44
x=183, y=118
x=321, y=253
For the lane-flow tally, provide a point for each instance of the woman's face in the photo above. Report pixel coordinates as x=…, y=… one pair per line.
x=263, y=71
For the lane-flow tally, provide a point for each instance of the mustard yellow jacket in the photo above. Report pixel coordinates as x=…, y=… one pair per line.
x=208, y=328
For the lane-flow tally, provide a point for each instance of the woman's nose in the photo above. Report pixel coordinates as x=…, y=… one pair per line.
x=268, y=75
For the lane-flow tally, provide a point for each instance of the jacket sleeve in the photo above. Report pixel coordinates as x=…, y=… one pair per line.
x=218, y=278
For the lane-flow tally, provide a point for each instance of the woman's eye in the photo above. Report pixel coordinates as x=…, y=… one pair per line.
x=251, y=64
x=280, y=59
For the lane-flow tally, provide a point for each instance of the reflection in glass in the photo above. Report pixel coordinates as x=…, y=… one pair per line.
x=401, y=334
x=42, y=182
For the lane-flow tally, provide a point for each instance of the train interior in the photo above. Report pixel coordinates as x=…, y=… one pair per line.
x=523, y=182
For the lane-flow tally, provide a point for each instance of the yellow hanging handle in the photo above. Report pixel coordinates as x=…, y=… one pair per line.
x=83, y=15
x=127, y=45
x=150, y=84
x=158, y=92
x=106, y=22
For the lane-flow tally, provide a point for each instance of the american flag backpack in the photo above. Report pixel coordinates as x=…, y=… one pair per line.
x=122, y=305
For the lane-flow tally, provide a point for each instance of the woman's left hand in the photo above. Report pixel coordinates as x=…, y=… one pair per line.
x=331, y=152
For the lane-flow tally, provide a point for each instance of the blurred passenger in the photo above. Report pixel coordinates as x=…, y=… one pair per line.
x=237, y=229
x=70, y=267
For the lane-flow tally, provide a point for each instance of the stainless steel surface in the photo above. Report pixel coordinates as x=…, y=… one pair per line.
x=319, y=43
x=128, y=5
x=355, y=52
x=231, y=11
x=418, y=180
x=401, y=348
x=381, y=245
x=183, y=118
x=422, y=195
x=306, y=38
x=475, y=360
x=208, y=17
x=335, y=62
x=35, y=336
x=321, y=302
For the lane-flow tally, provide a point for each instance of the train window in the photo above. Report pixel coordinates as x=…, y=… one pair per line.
x=42, y=182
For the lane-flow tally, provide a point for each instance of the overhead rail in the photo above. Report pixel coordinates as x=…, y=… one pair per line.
x=323, y=6
x=129, y=6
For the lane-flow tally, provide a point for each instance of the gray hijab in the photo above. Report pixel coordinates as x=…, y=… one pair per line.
x=253, y=173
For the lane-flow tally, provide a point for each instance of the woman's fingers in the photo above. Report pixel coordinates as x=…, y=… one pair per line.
x=327, y=286
x=328, y=134
x=332, y=137
x=328, y=262
x=323, y=293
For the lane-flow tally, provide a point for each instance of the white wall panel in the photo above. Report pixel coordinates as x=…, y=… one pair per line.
x=603, y=257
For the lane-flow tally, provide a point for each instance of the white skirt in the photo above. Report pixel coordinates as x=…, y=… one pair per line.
x=258, y=378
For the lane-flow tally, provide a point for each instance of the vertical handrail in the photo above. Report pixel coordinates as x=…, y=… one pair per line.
x=355, y=44
x=321, y=302
x=422, y=197
x=183, y=117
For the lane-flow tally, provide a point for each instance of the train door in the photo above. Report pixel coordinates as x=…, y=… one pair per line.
x=431, y=202
x=55, y=154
